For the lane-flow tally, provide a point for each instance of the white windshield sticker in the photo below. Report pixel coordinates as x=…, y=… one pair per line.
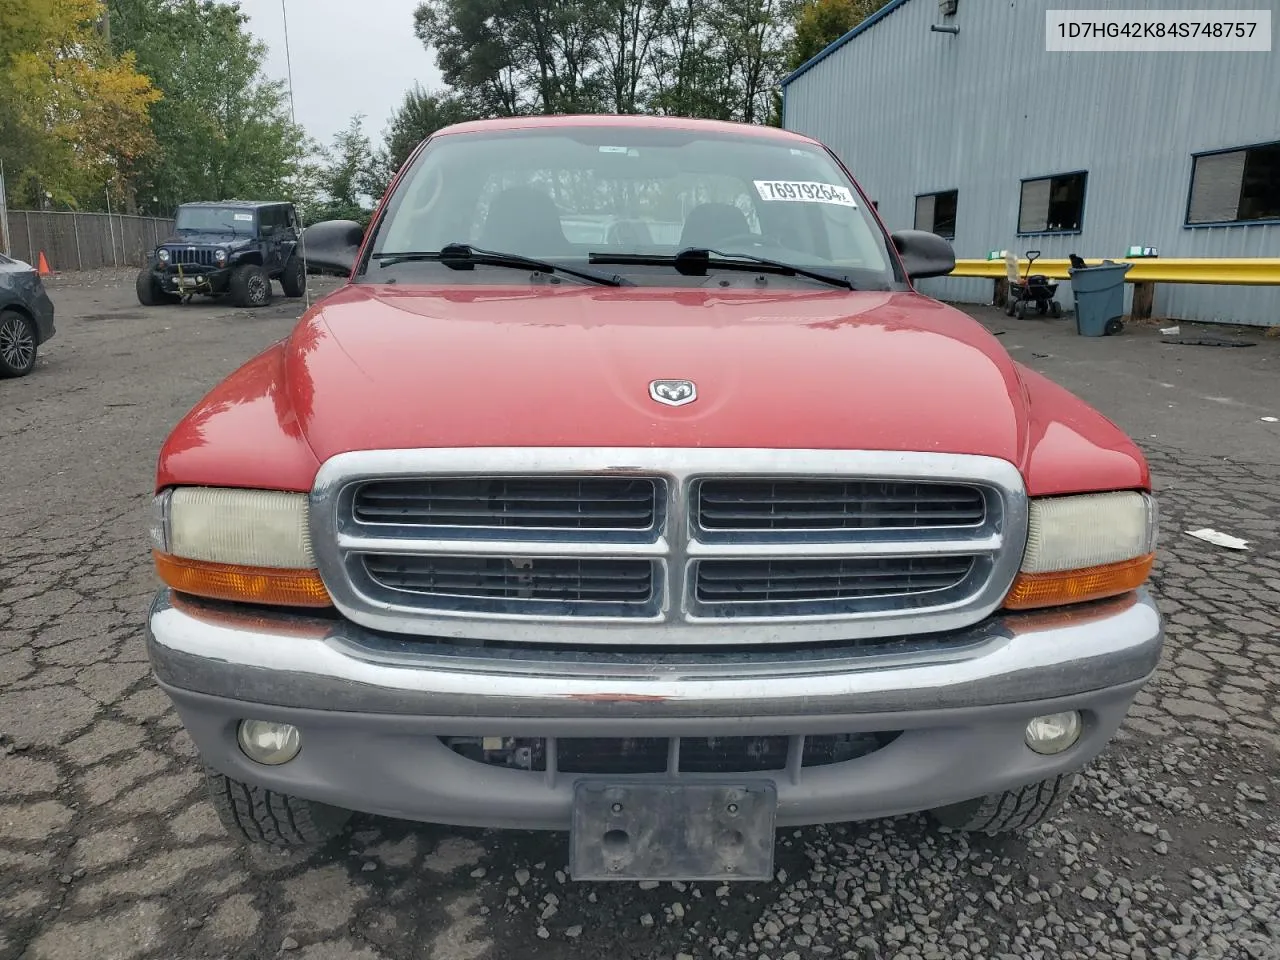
x=805, y=191
x=244, y=216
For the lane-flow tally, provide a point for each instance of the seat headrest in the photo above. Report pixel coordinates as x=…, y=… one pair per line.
x=709, y=223
x=524, y=220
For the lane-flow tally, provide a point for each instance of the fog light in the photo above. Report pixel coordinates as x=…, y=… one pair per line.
x=1053, y=732
x=266, y=742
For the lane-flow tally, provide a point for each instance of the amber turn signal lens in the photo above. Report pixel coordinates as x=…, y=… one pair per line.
x=225, y=581
x=1032, y=590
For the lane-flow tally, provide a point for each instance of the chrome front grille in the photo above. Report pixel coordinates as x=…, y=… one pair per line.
x=667, y=547
x=732, y=504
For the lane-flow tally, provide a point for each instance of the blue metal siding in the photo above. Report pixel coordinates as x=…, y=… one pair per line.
x=912, y=111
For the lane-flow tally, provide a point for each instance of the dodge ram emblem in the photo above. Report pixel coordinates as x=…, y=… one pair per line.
x=674, y=393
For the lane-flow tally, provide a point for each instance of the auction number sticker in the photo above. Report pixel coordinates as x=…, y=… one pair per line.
x=805, y=191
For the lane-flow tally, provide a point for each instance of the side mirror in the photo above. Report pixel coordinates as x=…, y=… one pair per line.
x=332, y=246
x=924, y=254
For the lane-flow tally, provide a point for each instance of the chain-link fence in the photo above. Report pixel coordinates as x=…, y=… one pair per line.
x=83, y=241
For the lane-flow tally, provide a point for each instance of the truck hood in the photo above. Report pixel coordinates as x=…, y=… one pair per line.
x=398, y=366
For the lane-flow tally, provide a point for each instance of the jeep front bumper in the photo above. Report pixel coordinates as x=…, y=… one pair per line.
x=372, y=709
x=192, y=278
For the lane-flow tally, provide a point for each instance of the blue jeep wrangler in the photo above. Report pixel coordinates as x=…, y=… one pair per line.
x=231, y=247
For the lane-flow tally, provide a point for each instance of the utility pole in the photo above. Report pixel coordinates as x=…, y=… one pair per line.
x=4, y=215
x=288, y=61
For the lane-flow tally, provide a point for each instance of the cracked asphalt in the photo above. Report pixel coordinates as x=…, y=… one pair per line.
x=108, y=850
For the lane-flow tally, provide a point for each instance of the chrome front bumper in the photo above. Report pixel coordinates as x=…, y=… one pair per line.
x=372, y=708
x=313, y=663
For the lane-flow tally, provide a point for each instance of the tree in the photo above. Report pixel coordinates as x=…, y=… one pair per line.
x=753, y=40
x=223, y=130
x=630, y=33
x=419, y=115
x=75, y=116
x=476, y=52
x=518, y=56
x=686, y=73
x=342, y=183
x=820, y=23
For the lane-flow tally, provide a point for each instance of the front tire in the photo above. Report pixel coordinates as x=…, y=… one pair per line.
x=17, y=344
x=147, y=289
x=293, y=280
x=263, y=816
x=250, y=286
x=1009, y=812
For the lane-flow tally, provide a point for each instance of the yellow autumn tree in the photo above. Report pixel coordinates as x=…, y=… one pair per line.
x=73, y=118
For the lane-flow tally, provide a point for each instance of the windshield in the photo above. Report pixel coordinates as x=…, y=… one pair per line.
x=564, y=194
x=214, y=220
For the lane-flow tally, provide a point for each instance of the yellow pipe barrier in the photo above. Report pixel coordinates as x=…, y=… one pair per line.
x=1260, y=271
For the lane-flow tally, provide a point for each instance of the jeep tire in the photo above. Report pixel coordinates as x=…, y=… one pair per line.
x=1009, y=812
x=293, y=279
x=148, y=289
x=250, y=286
x=265, y=816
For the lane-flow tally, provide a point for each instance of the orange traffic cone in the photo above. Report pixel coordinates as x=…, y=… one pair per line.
x=43, y=266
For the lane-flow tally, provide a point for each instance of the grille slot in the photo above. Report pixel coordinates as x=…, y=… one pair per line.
x=798, y=505
x=816, y=580
x=578, y=580
x=571, y=503
x=733, y=754
x=616, y=755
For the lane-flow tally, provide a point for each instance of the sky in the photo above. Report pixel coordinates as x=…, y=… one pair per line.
x=349, y=56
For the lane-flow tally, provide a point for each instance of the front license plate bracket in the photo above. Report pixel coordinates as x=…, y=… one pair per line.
x=660, y=830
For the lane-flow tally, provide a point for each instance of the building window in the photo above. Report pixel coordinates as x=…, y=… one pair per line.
x=936, y=213
x=1052, y=204
x=1235, y=186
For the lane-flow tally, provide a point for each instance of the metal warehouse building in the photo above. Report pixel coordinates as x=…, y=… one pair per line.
x=976, y=132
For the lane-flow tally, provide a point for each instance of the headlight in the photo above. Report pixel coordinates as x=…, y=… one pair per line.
x=220, y=256
x=229, y=544
x=162, y=255
x=1085, y=547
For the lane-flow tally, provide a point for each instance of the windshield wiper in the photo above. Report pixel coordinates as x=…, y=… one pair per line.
x=463, y=256
x=695, y=261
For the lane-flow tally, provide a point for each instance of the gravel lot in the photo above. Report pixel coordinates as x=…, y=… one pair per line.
x=108, y=850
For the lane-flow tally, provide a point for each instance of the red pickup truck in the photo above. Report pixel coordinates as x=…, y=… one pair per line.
x=666, y=531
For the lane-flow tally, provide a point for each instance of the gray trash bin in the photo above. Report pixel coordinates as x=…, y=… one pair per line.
x=1099, y=294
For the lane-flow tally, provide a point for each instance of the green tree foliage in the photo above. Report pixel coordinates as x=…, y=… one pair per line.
x=821, y=22
x=222, y=130
x=341, y=181
x=419, y=115
x=707, y=58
